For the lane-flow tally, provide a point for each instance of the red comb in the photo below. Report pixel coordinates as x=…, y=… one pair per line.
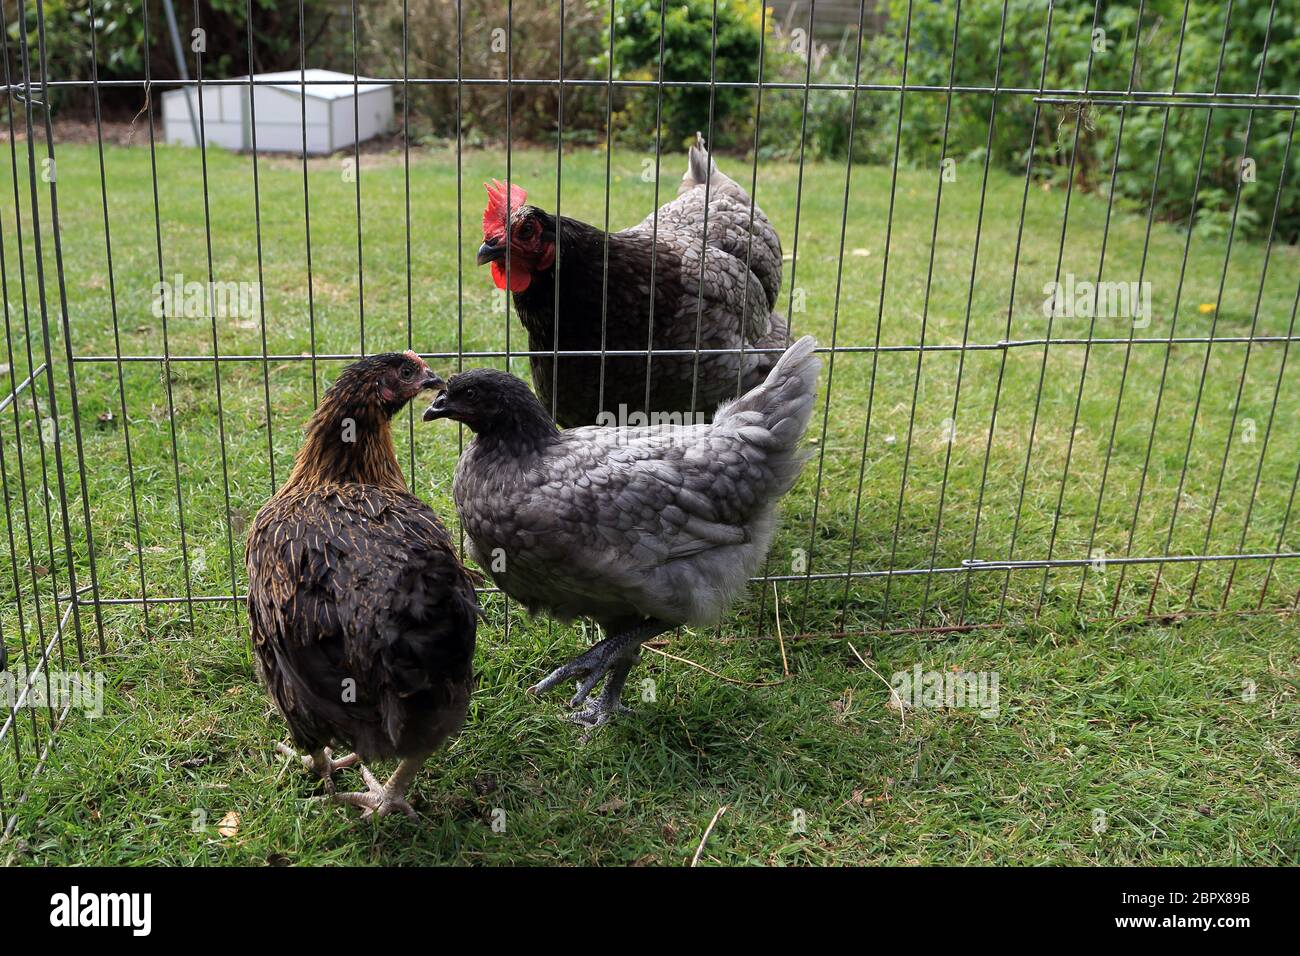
x=494, y=216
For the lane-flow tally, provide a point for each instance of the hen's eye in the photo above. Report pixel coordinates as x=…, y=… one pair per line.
x=408, y=373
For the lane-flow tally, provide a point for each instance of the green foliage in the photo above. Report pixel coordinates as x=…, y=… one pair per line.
x=694, y=50
x=1079, y=58
x=121, y=43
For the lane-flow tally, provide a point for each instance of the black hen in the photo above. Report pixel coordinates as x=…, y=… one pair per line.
x=362, y=617
x=726, y=304
x=641, y=529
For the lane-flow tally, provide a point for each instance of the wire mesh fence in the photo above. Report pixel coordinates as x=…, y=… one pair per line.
x=1036, y=398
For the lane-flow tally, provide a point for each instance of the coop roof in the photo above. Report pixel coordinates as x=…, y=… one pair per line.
x=320, y=84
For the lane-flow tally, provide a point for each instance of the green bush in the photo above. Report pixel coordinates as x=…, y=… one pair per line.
x=689, y=54
x=1070, y=66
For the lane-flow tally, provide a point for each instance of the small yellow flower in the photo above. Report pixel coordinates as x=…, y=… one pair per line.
x=1205, y=308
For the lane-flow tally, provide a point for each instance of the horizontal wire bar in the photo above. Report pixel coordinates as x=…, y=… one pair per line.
x=1036, y=92
x=1181, y=104
x=967, y=566
x=21, y=387
x=616, y=353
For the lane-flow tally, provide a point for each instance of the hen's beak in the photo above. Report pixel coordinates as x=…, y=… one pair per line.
x=438, y=409
x=490, y=251
x=432, y=381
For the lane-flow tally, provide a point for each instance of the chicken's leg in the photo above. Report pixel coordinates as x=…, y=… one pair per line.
x=386, y=798
x=611, y=660
x=320, y=762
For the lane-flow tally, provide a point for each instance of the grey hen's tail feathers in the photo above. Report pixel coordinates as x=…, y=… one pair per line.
x=775, y=415
x=699, y=167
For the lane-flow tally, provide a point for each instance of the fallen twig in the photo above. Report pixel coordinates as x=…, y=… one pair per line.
x=785, y=664
x=893, y=694
x=729, y=680
x=707, y=830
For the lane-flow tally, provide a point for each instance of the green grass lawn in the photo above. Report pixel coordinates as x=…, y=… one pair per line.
x=1172, y=740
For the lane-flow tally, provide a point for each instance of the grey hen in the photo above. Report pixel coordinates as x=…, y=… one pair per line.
x=726, y=304
x=641, y=529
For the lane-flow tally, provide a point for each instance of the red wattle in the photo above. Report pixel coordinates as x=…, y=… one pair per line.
x=519, y=278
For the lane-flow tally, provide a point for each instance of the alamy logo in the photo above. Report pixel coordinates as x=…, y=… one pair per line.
x=58, y=689
x=977, y=690
x=1082, y=299
x=665, y=422
x=76, y=909
x=176, y=298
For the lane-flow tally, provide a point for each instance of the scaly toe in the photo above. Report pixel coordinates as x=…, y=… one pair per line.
x=377, y=801
x=598, y=713
x=559, y=675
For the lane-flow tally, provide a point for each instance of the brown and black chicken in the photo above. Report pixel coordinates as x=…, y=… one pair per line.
x=362, y=616
x=725, y=303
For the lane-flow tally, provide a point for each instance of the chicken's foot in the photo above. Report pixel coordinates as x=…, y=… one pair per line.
x=321, y=763
x=383, y=799
x=611, y=660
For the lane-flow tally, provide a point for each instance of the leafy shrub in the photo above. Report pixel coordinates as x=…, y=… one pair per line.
x=689, y=55
x=1070, y=66
x=534, y=53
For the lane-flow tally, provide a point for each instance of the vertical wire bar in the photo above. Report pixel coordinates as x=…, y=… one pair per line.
x=1011, y=310
x=166, y=365
x=753, y=189
x=1173, y=324
x=112, y=300
x=1254, y=323
x=798, y=190
x=925, y=311
x=559, y=192
x=39, y=261
x=654, y=216
x=794, y=251
x=1092, y=323
x=749, y=249
x=604, y=255
x=704, y=230
x=257, y=226
x=835, y=318
x=212, y=310
x=559, y=226
x=356, y=179
x=1263, y=448
x=1051, y=321
x=510, y=75
x=880, y=305
x=306, y=195
x=510, y=99
x=970, y=300
x=31, y=370
x=460, y=239
x=1132, y=332
x=406, y=195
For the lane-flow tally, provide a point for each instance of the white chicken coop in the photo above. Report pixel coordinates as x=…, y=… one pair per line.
x=340, y=110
